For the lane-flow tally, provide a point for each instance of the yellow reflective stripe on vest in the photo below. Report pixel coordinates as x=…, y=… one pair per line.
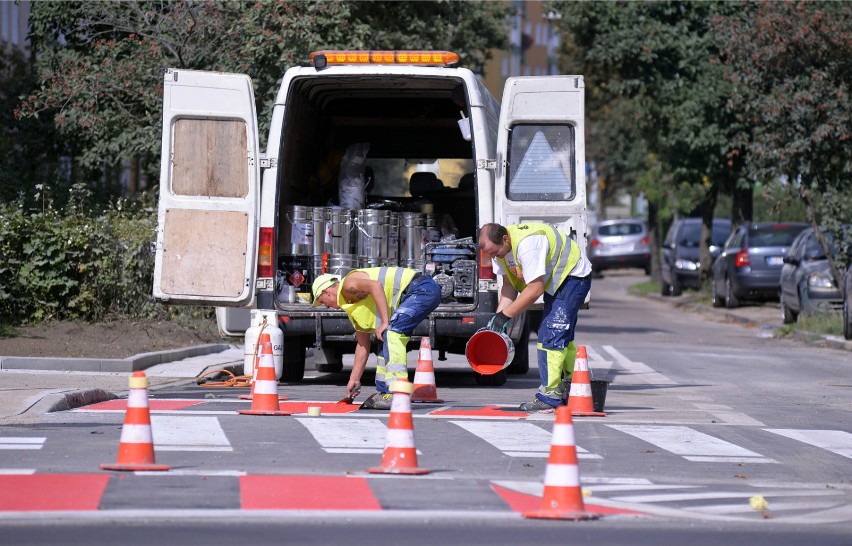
x=558, y=263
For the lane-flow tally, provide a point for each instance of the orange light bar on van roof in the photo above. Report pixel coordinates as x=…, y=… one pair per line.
x=429, y=58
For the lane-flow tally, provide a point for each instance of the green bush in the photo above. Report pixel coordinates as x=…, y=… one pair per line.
x=78, y=264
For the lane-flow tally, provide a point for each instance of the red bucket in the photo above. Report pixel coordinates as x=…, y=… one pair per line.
x=488, y=352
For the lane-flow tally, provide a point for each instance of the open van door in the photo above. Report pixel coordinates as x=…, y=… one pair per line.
x=541, y=154
x=209, y=185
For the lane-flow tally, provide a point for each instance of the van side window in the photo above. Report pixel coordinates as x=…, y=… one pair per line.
x=541, y=163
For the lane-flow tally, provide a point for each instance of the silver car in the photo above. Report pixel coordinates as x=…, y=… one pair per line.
x=619, y=244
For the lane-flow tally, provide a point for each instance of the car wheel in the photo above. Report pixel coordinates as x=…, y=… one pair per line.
x=675, y=288
x=847, y=318
x=714, y=295
x=731, y=300
x=647, y=270
x=788, y=316
x=493, y=380
x=665, y=289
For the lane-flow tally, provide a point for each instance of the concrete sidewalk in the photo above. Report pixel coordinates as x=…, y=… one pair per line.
x=30, y=387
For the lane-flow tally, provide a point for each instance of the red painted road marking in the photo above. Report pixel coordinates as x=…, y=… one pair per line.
x=484, y=411
x=153, y=405
x=327, y=407
x=522, y=502
x=40, y=492
x=306, y=493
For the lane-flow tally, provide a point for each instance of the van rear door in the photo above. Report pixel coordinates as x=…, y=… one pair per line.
x=207, y=217
x=541, y=154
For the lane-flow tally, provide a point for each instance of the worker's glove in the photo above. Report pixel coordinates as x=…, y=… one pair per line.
x=499, y=323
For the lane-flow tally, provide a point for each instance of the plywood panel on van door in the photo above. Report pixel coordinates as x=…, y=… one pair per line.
x=204, y=253
x=196, y=171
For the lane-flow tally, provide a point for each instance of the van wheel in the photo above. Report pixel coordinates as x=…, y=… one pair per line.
x=493, y=380
x=294, y=361
x=521, y=361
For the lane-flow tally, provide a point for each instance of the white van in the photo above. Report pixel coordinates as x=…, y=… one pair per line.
x=372, y=159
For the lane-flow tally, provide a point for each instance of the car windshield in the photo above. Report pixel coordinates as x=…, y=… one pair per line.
x=773, y=236
x=691, y=234
x=620, y=229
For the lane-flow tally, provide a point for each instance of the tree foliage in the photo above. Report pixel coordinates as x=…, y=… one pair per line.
x=100, y=63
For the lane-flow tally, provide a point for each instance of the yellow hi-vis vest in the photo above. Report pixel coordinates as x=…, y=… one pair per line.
x=363, y=314
x=562, y=255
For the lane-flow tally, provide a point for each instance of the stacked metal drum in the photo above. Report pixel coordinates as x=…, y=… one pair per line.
x=317, y=240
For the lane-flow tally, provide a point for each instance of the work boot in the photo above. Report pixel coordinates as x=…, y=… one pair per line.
x=378, y=401
x=536, y=405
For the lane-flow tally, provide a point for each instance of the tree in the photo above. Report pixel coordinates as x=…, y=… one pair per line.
x=659, y=60
x=791, y=66
x=100, y=63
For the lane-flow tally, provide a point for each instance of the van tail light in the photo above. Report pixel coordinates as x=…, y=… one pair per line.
x=486, y=270
x=264, y=254
x=595, y=243
x=742, y=259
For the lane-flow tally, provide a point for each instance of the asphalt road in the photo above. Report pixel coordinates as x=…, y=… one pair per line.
x=715, y=433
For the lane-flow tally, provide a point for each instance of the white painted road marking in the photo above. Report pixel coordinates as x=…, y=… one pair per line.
x=347, y=435
x=691, y=444
x=179, y=433
x=836, y=441
x=517, y=439
x=637, y=370
x=22, y=443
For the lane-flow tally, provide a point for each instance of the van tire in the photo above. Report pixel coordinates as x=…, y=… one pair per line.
x=294, y=361
x=493, y=380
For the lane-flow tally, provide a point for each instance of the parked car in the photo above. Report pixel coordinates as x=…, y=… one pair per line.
x=679, y=260
x=619, y=244
x=749, y=267
x=847, y=305
x=807, y=286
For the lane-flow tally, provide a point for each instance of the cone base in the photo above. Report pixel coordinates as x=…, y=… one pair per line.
x=391, y=470
x=429, y=401
x=588, y=413
x=264, y=412
x=558, y=514
x=132, y=467
x=249, y=397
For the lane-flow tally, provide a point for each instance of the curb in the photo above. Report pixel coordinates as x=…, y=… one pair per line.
x=822, y=340
x=127, y=365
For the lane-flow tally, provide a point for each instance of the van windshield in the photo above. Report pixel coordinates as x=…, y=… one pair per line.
x=395, y=177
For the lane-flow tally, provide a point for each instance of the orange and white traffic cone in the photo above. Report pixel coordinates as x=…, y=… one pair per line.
x=265, y=394
x=424, y=376
x=264, y=338
x=136, y=447
x=400, y=455
x=563, y=497
x=580, y=396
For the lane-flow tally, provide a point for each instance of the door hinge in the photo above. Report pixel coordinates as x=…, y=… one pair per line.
x=268, y=163
x=488, y=164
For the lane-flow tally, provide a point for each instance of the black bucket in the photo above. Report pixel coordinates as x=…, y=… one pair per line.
x=599, y=387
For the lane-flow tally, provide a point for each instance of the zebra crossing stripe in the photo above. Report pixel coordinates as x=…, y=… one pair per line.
x=347, y=435
x=517, y=439
x=22, y=443
x=181, y=433
x=692, y=445
x=836, y=441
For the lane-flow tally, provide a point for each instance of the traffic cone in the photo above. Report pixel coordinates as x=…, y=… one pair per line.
x=424, y=376
x=264, y=338
x=580, y=396
x=136, y=447
x=265, y=394
x=400, y=455
x=563, y=497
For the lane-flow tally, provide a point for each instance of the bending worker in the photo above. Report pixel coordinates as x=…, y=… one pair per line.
x=536, y=259
x=388, y=302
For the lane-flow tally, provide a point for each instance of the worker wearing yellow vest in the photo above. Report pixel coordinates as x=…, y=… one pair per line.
x=538, y=259
x=386, y=301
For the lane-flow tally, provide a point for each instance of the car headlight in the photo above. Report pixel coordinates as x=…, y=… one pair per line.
x=819, y=279
x=688, y=265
